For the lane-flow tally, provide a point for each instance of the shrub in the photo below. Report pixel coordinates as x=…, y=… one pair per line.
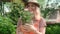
x=53, y=29
x=6, y=26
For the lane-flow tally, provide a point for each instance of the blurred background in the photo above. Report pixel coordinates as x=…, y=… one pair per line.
x=11, y=10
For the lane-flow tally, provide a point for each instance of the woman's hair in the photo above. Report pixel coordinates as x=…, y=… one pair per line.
x=38, y=10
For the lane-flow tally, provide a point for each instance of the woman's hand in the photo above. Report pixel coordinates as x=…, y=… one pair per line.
x=25, y=29
x=33, y=29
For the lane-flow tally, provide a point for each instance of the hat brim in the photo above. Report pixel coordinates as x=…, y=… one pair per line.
x=37, y=4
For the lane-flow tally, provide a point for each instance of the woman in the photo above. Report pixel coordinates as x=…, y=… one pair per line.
x=38, y=21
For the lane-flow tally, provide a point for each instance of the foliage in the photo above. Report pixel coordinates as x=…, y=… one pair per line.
x=47, y=12
x=14, y=14
x=26, y=16
x=18, y=12
x=6, y=26
x=41, y=2
x=53, y=29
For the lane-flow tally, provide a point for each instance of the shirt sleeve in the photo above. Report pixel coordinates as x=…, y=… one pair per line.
x=42, y=23
x=19, y=22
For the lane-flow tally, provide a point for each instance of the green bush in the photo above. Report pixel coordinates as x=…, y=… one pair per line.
x=6, y=26
x=53, y=29
x=26, y=16
x=19, y=12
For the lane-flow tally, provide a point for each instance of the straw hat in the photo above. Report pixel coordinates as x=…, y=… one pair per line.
x=33, y=1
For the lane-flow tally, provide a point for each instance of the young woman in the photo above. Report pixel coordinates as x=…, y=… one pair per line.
x=38, y=21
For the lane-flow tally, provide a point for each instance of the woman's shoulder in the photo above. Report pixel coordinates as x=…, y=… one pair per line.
x=42, y=22
x=43, y=19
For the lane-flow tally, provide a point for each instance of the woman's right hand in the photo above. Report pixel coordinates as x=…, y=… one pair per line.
x=24, y=29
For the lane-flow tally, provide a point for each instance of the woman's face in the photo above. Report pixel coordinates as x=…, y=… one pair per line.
x=31, y=7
